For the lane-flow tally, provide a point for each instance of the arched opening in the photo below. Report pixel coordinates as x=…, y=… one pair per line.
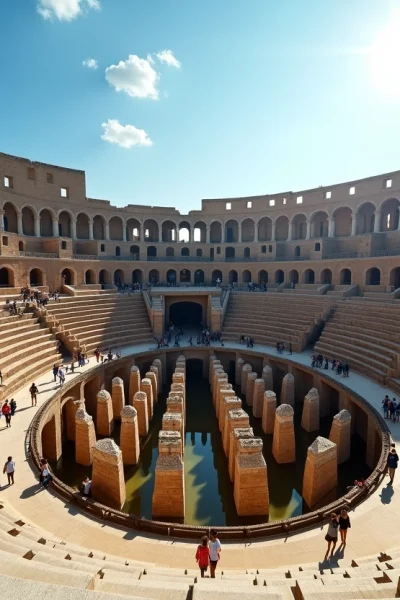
x=90, y=277
x=6, y=277
x=343, y=220
x=265, y=229
x=151, y=251
x=82, y=226
x=137, y=276
x=263, y=276
x=317, y=247
x=21, y=246
x=184, y=232
x=246, y=276
x=198, y=276
x=154, y=276
x=309, y=276
x=200, y=232
x=119, y=278
x=115, y=228
x=248, y=230
x=373, y=276
x=246, y=253
x=216, y=274
x=299, y=227
x=294, y=276
x=365, y=218
x=279, y=276
x=46, y=223
x=171, y=276
x=281, y=229
x=168, y=231
x=326, y=276
x=345, y=277
x=151, y=231
x=184, y=276
x=319, y=224
x=10, y=218
x=185, y=252
x=50, y=437
x=188, y=314
x=135, y=252
x=28, y=221
x=132, y=230
x=99, y=228
x=36, y=277
x=170, y=252
x=231, y=231
x=233, y=276
x=68, y=277
x=229, y=252
x=297, y=251
x=104, y=277
x=395, y=278
x=390, y=215
x=64, y=224
x=215, y=232
x=117, y=251
x=199, y=252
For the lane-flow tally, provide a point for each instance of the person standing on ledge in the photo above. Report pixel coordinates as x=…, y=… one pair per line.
x=215, y=552
x=392, y=462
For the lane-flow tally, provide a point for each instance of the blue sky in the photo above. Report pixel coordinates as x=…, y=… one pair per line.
x=260, y=96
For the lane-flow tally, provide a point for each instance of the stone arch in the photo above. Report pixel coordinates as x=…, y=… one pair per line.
x=119, y=277
x=373, y=276
x=279, y=276
x=21, y=246
x=185, y=276
x=36, y=277
x=389, y=215
x=246, y=252
x=265, y=229
x=90, y=277
x=365, y=218
x=394, y=278
x=154, y=276
x=151, y=231
x=309, y=276
x=199, y=252
x=46, y=222
x=215, y=232
x=231, y=231
x=233, y=276
x=282, y=228
x=116, y=228
x=345, y=277
x=64, y=223
x=171, y=276
x=246, y=276
x=294, y=276
x=185, y=252
x=99, y=227
x=82, y=226
x=263, y=276
x=229, y=252
x=28, y=220
x=137, y=276
x=10, y=218
x=200, y=232
x=319, y=224
x=198, y=276
x=132, y=230
x=134, y=251
x=151, y=251
x=168, y=231
x=299, y=227
x=104, y=277
x=343, y=220
x=216, y=274
x=51, y=438
x=297, y=251
x=248, y=230
x=68, y=277
x=7, y=277
x=184, y=232
x=326, y=276
x=117, y=251
x=170, y=251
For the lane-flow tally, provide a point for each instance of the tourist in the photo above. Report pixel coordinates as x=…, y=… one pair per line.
x=33, y=392
x=61, y=376
x=392, y=462
x=344, y=525
x=392, y=409
x=397, y=419
x=46, y=478
x=6, y=411
x=332, y=534
x=346, y=369
x=97, y=354
x=1, y=378
x=385, y=406
x=13, y=406
x=203, y=555
x=86, y=487
x=55, y=372
x=9, y=469
x=215, y=552
x=290, y=347
x=326, y=366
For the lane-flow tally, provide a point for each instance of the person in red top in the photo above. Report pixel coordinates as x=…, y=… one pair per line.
x=6, y=410
x=203, y=555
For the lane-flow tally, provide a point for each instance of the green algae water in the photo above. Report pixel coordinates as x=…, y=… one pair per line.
x=208, y=489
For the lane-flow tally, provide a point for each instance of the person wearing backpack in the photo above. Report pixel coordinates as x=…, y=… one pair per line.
x=203, y=555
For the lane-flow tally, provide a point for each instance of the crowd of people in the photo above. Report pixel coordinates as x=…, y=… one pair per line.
x=391, y=409
x=246, y=339
x=280, y=347
x=205, y=337
x=340, y=368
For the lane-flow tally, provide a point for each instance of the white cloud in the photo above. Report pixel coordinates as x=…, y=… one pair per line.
x=135, y=76
x=90, y=63
x=65, y=10
x=166, y=56
x=125, y=136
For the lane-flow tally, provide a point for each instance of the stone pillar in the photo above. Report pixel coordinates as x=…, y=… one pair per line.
x=290, y=231
x=228, y=403
x=258, y=398
x=157, y=363
x=268, y=414
x=224, y=390
x=37, y=226
x=287, y=390
x=134, y=382
x=283, y=444
x=273, y=230
x=377, y=222
x=331, y=227
x=169, y=480
x=108, y=484
x=20, y=229
x=55, y=227
x=178, y=377
x=118, y=397
x=90, y=229
x=250, y=480
x=233, y=419
x=73, y=228
x=129, y=441
x=153, y=380
x=179, y=388
x=354, y=224
x=85, y=438
x=320, y=472
x=140, y=403
x=214, y=362
x=146, y=387
x=267, y=376
x=221, y=382
x=251, y=378
x=238, y=370
x=341, y=435
x=310, y=416
x=237, y=433
x=104, y=413
x=308, y=229
x=70, y=411
x=243, y=382
x=173, y=422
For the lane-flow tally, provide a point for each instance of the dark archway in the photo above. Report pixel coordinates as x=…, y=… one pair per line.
x=154, y=276
x=395, y=278
x=279, y=276
x=137, y=276
x=67, y=277
x=326, y=276
x=184, y=276
x=294, y=276
x=151, y=251
x=135, y=252
x=345, y=277
x=171, y=276
x=90, y=277
x=229, y=252
x=119, y=278
x=186, y=313
x=309, y=276
x=233, y=276
x=373, y=276
x=185, y=252
x=198, y=276
x=104, y=277
x=6, y=277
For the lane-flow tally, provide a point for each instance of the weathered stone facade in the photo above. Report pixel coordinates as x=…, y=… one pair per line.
x=283, y=444
x=250, y=481
x=108, y=484
x=320, y=472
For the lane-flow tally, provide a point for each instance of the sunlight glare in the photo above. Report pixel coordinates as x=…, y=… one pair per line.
x=385, y=58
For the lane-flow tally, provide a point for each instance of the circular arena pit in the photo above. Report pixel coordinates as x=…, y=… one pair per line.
x=253, y=445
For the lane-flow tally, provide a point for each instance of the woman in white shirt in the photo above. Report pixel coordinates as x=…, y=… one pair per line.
x=9, y=468
x=215, y=551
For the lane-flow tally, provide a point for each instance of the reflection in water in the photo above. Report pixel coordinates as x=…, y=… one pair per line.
x=208, y=489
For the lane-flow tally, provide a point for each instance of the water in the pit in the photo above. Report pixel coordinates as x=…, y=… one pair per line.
x=208, y=489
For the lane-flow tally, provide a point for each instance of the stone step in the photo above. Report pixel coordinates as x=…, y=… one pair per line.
x=13, y=354
x=156, y=590
x=381, y=355
x=21, y=376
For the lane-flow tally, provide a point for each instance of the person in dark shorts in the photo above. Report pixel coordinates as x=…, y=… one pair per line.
x=332, y=534
x=215, y=551
x=203, y=555
x=392, y=462
x=344, y=525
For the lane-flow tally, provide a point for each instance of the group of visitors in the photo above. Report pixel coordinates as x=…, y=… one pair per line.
x=208, y=553
x=337, y=522
x=319, y=361
x=280, y=347
x=102, y=356
x=45, y=476
x=129, y=288
x=391, y=409
x=7, y=410
x=13, y=308
x=248, y=340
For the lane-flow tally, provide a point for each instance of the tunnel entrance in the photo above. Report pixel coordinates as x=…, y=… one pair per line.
x=186, y=313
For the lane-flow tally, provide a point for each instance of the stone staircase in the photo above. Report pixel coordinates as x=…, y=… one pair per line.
x=101, y=320
x=269, y=318
x=28, y=349
x=366, y=335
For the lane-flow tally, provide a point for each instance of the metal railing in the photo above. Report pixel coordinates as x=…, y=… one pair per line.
x=39, y=254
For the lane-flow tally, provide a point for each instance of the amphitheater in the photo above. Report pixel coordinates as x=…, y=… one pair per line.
x=318, y=269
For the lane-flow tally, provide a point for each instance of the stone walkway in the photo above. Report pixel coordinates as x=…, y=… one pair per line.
x=374, y=523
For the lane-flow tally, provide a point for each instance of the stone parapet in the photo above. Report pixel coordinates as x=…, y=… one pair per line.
x=320, y=472
x=310, y=416
x=250, y=481
x=258, y=398
x=108, y=484
x=268, y=413
x=287, y=390
x=283, y=444
x=237, y=433
x=85, y=438
x=140, y=404
x=129, y=438
x=341, y=435
x=104, y=413
x=118, y=397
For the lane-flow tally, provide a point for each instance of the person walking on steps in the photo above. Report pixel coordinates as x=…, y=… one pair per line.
x=215, y=551
x=344, y=525
x=203, y=555
x=33, y=392
x=6, y=411
x=332, y=534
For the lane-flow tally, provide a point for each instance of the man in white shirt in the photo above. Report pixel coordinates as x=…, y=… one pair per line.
x=215, y=551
